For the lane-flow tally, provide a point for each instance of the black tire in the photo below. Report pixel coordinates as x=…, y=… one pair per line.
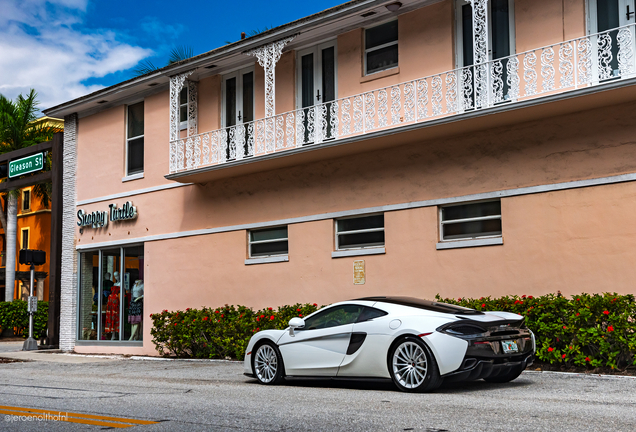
x=412, y=366
x=267, y=364
x=506, y=376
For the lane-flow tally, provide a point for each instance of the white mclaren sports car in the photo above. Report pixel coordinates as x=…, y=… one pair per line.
x=416, y=343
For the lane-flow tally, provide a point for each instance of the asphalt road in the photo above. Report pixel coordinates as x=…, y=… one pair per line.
x=215, y=396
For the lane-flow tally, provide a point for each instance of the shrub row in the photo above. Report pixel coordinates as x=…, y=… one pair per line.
x=13, y=315
x=586, y=330
x=217, y=333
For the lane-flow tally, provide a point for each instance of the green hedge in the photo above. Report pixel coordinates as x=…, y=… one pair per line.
x=586, y=330
x=13, y=315
x=217, y=333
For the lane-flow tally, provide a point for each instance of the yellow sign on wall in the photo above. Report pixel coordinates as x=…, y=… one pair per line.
x=358, y=272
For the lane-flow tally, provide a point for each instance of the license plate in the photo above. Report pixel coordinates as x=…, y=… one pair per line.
x=509, y=347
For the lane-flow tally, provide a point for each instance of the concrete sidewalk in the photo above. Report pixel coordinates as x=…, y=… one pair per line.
x=13, y=350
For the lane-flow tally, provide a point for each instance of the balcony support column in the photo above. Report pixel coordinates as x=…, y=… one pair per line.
x=480, y=51
x=267, y=56
x=177, y=82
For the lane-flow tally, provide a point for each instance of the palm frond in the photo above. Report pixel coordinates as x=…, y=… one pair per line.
x=258, y=31
x=43, y=192
x=144, y=67
x=180, y=53
x=17, y=127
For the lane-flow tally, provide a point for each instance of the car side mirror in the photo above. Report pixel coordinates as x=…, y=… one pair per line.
x=295, y=323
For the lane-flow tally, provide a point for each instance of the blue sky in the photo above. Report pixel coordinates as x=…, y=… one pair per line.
x=68, y=48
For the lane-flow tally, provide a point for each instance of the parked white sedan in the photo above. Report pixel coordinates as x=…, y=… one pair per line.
x=416, y=343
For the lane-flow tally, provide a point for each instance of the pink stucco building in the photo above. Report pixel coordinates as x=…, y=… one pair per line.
x=467, y=148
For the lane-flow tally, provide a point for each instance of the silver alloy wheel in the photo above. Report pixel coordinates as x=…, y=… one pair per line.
x=266, y=363
x=409, y=365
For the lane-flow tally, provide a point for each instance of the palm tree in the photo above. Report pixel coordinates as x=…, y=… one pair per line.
x=18, y=130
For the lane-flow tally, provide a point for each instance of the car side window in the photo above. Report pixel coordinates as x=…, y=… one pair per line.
x=370, y=313
x=333, y=317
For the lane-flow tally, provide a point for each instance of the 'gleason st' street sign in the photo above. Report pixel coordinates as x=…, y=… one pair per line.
x=26, y=165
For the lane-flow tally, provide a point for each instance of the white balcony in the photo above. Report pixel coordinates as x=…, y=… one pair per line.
x=597, y=60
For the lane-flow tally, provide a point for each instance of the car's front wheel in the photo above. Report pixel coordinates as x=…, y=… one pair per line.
x=413, y=367
x=267, y=364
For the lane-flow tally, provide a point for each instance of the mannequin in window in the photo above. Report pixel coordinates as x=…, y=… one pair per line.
x=136, y=310
x=107, y=284
x=112, y=309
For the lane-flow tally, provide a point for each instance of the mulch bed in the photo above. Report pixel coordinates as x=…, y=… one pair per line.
x=541, y=366
x=8, y=360
x=12, y=339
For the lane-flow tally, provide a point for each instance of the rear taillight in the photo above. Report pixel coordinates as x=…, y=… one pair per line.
x=462, y=330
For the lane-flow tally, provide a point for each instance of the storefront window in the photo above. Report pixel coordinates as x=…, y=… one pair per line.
x=89, y=301
x=111, y=294
x=134, y=284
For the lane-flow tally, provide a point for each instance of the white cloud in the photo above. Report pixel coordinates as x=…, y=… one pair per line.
x=43, y=49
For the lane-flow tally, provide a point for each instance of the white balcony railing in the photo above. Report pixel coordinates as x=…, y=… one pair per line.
x=593, y=60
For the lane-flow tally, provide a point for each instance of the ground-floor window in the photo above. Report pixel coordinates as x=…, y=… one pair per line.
x=111, y=294
x=268, y=242
x=360, y=232
x=470, y=220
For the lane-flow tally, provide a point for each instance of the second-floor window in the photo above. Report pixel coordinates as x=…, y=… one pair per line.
x=135, y=139
x=26, y=200
x=605, y=15
x=25, y=238
x=238, y=97
x=609, y=14
x=316, y=78
x=183, y=109
x=381, y=47
x=238, y=104
x=501, y=38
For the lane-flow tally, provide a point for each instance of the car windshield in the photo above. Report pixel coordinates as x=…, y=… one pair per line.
x=426, y=304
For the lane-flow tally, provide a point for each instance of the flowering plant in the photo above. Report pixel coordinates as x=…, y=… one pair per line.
x=585, y=330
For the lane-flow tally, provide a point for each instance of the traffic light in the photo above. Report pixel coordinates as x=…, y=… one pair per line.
x=30, y=256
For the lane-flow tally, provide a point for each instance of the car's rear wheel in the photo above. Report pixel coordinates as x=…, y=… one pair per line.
x=413, y=367
x=512, y=374
x=267, y=364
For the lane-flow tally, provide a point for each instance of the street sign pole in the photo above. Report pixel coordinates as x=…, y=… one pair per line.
x=31, y=344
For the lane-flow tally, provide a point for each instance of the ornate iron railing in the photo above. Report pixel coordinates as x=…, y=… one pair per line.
x=587, y=61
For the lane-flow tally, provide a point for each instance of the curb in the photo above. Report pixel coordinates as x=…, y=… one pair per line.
x=184, y=360
x=149, y=358
x=578, y=374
